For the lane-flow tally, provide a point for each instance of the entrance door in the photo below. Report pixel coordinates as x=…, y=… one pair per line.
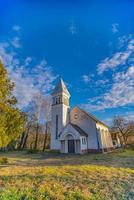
x=71, y=146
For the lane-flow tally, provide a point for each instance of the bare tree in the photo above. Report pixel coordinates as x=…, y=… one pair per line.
x=37, y=133
x=30, y=122
x=38, y=105
x=46, y=110
x=123, y=129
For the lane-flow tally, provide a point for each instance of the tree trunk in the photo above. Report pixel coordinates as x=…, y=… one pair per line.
x=25, y=138
x=45, y=138
x=36, y=137
x=25, y=141
x=21, y=140
x=2, y=143
x=125, y=142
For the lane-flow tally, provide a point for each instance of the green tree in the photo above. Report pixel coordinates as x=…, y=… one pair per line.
x=12, y=120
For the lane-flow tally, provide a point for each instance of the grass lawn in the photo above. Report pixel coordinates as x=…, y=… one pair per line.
x=54, y=176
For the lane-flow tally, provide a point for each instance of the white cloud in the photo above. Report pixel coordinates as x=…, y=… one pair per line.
x=115, y=28
x=29, y=77
x=102, y=82
x=123, y=40
x=6, y=57
x=16, y=42
x=27, y=61
x=119, y=58
x=120, y=94
x=28, y=84
x=86, y=78
x=129, y=116
x=122, y=76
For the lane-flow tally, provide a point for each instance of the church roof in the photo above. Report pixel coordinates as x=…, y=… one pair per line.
x=60, y=87
x=77, y=128
x=91, y=116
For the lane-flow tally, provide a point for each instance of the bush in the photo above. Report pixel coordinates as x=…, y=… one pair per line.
x=3, y=160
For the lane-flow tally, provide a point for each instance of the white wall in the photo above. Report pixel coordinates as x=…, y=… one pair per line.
x=56, y=110
x=87, y=124
x=65, y=115
x=62, y=111
x=83, y=145
x=105, y=137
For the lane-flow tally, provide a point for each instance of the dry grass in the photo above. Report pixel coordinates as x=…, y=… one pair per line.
x=75, y=177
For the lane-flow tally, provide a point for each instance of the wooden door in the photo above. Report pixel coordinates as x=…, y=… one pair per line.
x=71, y=146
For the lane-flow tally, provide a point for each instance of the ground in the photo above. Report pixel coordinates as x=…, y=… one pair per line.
x=54, y=176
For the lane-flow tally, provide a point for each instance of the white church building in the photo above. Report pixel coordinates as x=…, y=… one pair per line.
x=76, y=131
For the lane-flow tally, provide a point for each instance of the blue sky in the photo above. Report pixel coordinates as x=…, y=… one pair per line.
x=90, y=44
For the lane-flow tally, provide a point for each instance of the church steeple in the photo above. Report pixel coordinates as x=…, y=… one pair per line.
x=60, y=94
x=60, y=88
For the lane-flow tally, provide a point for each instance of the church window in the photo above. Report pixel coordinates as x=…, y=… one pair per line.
x=56, y=126
x=83, y=140
x=59, y=100
x=56, y=100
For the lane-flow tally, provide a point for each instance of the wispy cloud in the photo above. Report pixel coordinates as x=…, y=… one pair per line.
x=16, y=42
x=86, y=78
x=117, y=59
x=27, y=61
x=120, y=94
x=102, y=82
x=115, y=27
x=127, y=116
x=72, y=28
x=29, y=77
x=108, y=121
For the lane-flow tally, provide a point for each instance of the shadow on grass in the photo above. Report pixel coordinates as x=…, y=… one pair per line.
x=117, y=159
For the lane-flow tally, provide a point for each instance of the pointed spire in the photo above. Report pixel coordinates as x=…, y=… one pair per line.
x=60, y=88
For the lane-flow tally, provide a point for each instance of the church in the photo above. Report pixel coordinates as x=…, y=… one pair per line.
x=76, y=131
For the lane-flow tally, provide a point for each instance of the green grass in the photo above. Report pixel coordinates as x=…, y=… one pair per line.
x=53, y=176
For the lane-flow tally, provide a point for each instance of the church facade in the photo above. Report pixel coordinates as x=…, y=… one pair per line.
x=76, y=131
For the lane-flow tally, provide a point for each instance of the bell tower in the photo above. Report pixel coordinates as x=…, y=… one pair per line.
x=60, y=113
